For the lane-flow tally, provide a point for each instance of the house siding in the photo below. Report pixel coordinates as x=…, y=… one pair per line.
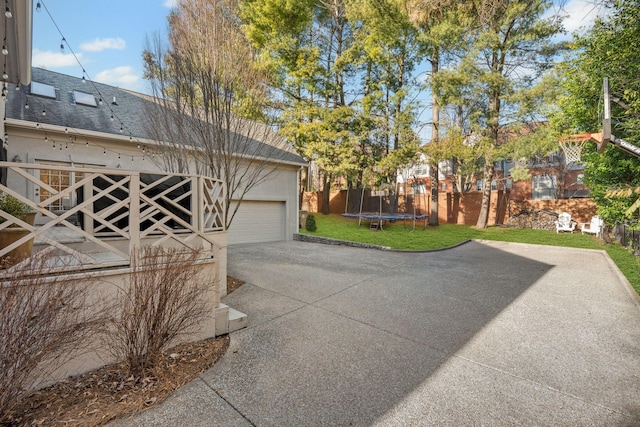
x=28, y=146
x=75, y=134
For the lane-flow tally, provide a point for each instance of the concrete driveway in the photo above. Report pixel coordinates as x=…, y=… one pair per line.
x=487, y=333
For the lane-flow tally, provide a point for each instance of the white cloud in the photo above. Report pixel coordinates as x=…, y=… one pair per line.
x=170, y=3
x=98, y=44
x=580, y=14
x=50, y=59
x=124, y=76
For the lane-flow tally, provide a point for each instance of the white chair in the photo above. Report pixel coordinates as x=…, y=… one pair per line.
x=593, y=227
x=564, y=223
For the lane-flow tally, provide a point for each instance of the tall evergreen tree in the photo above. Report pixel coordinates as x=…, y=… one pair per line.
x=440, y=24
x=508, y=48
x=343, y=72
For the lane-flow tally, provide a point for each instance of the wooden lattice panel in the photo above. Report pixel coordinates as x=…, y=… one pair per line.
x=115, y=206
x=213, y=204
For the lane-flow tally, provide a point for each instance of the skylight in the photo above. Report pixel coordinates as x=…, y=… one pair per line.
x=42, y=89
x=84, y=98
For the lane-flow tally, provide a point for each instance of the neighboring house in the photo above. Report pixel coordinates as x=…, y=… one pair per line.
x=552, y=178
x=61, y=120
x=418, y=177
x=553, y=182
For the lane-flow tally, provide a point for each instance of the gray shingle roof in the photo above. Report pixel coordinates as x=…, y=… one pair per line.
x=128, y=109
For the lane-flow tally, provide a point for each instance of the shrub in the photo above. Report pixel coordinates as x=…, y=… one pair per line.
x=45, y=321
x=311, y=223
x=12, y=206
x=162, y=300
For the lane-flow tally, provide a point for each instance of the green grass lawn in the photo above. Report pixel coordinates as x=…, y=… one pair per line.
x=396, y=236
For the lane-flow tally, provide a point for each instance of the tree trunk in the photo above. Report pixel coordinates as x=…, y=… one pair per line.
x=483, y=218
x=326, y=189
x=493, y=125
x=458, y=182
x=435, y=119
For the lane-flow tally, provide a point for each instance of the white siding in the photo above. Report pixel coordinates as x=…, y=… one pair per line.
x=258, y=221
x=282, y=186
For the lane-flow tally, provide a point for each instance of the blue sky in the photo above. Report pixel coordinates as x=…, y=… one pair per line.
x=108, y=37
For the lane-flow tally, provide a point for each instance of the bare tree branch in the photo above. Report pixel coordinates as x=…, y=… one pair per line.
x=211, y=101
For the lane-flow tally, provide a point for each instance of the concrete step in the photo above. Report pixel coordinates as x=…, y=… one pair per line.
x=229, y=320
x=237, y=320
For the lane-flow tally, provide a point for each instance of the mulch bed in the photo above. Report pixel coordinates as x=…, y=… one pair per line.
x=108, y=393
x=233, y=284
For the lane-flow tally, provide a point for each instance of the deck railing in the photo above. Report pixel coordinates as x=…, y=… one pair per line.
x=116, y=210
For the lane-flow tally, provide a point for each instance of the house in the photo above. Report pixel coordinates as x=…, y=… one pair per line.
x=554, y=184
x=78, y=154
x=65, y=160
x=62, y=120
x=552, y=178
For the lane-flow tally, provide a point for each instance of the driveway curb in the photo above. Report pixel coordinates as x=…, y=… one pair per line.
x=328, y=241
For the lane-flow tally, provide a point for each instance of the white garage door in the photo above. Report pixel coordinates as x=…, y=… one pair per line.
x=258, y=222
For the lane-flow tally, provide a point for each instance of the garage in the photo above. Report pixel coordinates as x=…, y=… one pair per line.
x=258, y=221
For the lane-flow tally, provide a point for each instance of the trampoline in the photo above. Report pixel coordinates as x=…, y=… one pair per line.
x=375, y=216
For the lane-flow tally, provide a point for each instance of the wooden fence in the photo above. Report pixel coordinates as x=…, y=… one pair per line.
x=453, y=208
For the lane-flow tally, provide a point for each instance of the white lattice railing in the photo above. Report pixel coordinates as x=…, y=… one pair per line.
x=116, y=210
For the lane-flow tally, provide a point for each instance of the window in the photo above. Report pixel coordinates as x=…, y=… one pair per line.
x=60, y=180
x=494, y=184
x=445, y=168
x=84, y=98
x=419, y=187
x=479, y=185
x=443, y=187
x=42, y=89
x=420, y=170
x=508, y=184
x=580, y=179
x=551, y=159
x=543, y=187
x=508, y=165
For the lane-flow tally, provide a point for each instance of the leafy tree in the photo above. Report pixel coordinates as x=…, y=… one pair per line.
x=386, y=52
x=439, y=22
x=608, y=49
x=328, y=136
x=342, y=72
x=453, y=146
x=386, y=49
x=298, y=44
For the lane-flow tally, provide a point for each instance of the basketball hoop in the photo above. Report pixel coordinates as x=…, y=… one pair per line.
x=572, y=146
